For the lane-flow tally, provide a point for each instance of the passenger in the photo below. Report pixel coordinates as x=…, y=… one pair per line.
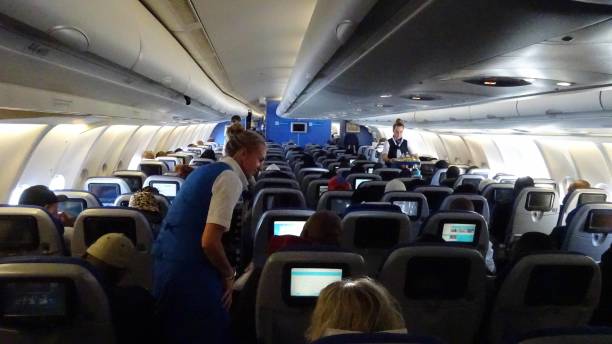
x=452, y=174
x=209, y=154
x=191, y=145
x=193, y=279
x=339, y=183
x=148, y=206
x=160, y=154
x=522, y=183
x=150, y=189
x=41, y=196
x=577, y=184
x=178, y=150
x=132, y=307
x=395, y=147
x=503, y=211
x=308, y=161
x=355, y=305
x=200, y=143
x=183, y=170
x=440, y=164
x=273, y=171
x=148, y=155
x=344, y=162
x=395, y=185
x=235, y=119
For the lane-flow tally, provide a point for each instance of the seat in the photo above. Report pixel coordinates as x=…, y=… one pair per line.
x=577, y=198
x=355, y=179
x=275, y=183
x=546, y=183
x=152, y=167
x=276, y=222
x=578, y=335
x=94, y=223
x=589, y=230
x=336, y=201
x=275, y=198
x=376, y=187
x=184, y=158
x=168, y=186
x=289, y=285
x=170, y=161
x=439, y=176
x=481, y=206
x=498, y=193
x=197, y=162
x=275, y=157
x=413, y=204
x=463, y=228
x=162, y=201
x=379, y=337
x=441, y=290
x=307, y=179
x=314, y=191
x=546, y=290
x=373, y=234
x=107, y=189
x=435, y=195
x=66, y=304
x=28, y=230
x=301, y=173
x=485, y=172
x=472, y=179
x=77, y=201
x=535, y=210
x=388, y=173
x=135, y=179
x=270, y=174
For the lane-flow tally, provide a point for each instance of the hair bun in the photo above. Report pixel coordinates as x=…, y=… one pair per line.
x=399, y=122
x=235, y=129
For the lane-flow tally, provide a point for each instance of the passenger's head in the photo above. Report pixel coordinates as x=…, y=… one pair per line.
x=528, y=243
x=461, y=204
x=338, y=183
x=144, y=201
x=209, y=154
x=395, y=185
x=41, y=196
x=111, y=255
x=360, y=305
x=191, y=145
x=150, y=189
x=308, y=161
x=521, y=183
x=160, y=153
x=247, y=147
x=578, y=184
x=398, y=128
x=178, y=150
x=453, y=172
x=148, y=155
x=362, y=194
x=441, y=164
x=323, y=227
x=200, y=143
x=235, y=119
x=183, y=170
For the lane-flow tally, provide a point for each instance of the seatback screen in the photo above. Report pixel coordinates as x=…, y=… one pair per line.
x=18, y=233
x=591, y=198
x=170, y=163
x=358, y=181
x=539, y=201
x=34, y=299
x=471, y=181
x=376, y=233
x=151, y=169
x=72, y=207
x=134, y=182
x=322, y=189
x=599, y=221
x=168, y=189
x=459, y=232
x=288, y=227
x=339, y=205
x=95, y=227
x=308, y=282
x=410, y=208
x=503, y=195
x=106, y=192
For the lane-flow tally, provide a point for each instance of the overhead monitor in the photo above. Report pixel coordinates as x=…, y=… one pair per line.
x=168, y=189
x=18, y=233
x=288, y=227
x=299, y=127
x=410, y=208
x=107, y=193
x=459, y=232
x=358, y=181
x=539, y=201
x=308, y=282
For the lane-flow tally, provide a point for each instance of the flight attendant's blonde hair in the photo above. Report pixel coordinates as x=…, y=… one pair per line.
x=239, y=138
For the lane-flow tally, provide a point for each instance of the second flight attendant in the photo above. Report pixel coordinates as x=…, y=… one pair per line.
x=397, y=146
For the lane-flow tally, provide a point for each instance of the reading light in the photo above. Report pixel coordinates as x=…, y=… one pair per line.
x=386, y=95
x=529, y=80
x=490, y=83
x=564, y=83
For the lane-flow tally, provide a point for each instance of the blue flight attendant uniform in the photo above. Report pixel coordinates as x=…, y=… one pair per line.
x=187, y=286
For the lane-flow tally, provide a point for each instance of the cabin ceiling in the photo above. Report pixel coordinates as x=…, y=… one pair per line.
x=256, y=41
x=430, y=47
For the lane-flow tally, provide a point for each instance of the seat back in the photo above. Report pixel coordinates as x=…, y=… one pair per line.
x=273, y=223
x=197, y=162
x=307, y=179
x=28, y=231
x=473, y=179
x=375, y=187
x=107, y=189
x=283, y=183
x=578, y=198
x=481, y=206
x=534, y=210
x=413, y=204
x=315, y=189
x=546, y=290
x=498, y=193
x=378, y=337
x=168, y=186
x=373, y=234
x=590, y=230
x=77, y=201
x=441, y=290
x=184, y=158
x=170, y=161
x=438, y=176
x=134, y=179
x=152, y=167
x=66, y=302
x=94, y=223
x=388, y=173
x=336, y=201
x=463, y=228
x=591, y=335
x=288, y=287
x=275, y=198
x=162, y=202
x=435, y=195
x=485, y=172
x=301, y=173
x=356, y=179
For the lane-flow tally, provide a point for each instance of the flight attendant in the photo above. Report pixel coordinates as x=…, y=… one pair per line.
x=396, y=146
x=193, y=278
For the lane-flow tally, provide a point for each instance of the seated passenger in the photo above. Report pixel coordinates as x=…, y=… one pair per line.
x=503, y=211
x=41, y=196
x=200, y=143
x=148, y=155
x=355, y=306
x=344, y=162
x=395, y=185
x=132, y=307
x=209, y=154
x=451, y=177
x=160, y=154
x=273, y=171
x=183, y=170
x=148, y=206
x=577, y=184
x=339, y=183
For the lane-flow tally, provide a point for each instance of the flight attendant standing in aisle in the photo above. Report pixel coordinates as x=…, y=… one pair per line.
x=193, y=277
x=397, y=146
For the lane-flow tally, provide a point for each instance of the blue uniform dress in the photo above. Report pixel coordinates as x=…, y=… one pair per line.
x=187, y=286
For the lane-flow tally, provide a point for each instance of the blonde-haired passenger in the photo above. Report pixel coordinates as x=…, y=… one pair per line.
x=148, y=155
x=355, y=305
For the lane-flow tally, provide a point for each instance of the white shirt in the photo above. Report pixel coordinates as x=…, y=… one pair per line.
x=226, y=192
x=386, y=147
